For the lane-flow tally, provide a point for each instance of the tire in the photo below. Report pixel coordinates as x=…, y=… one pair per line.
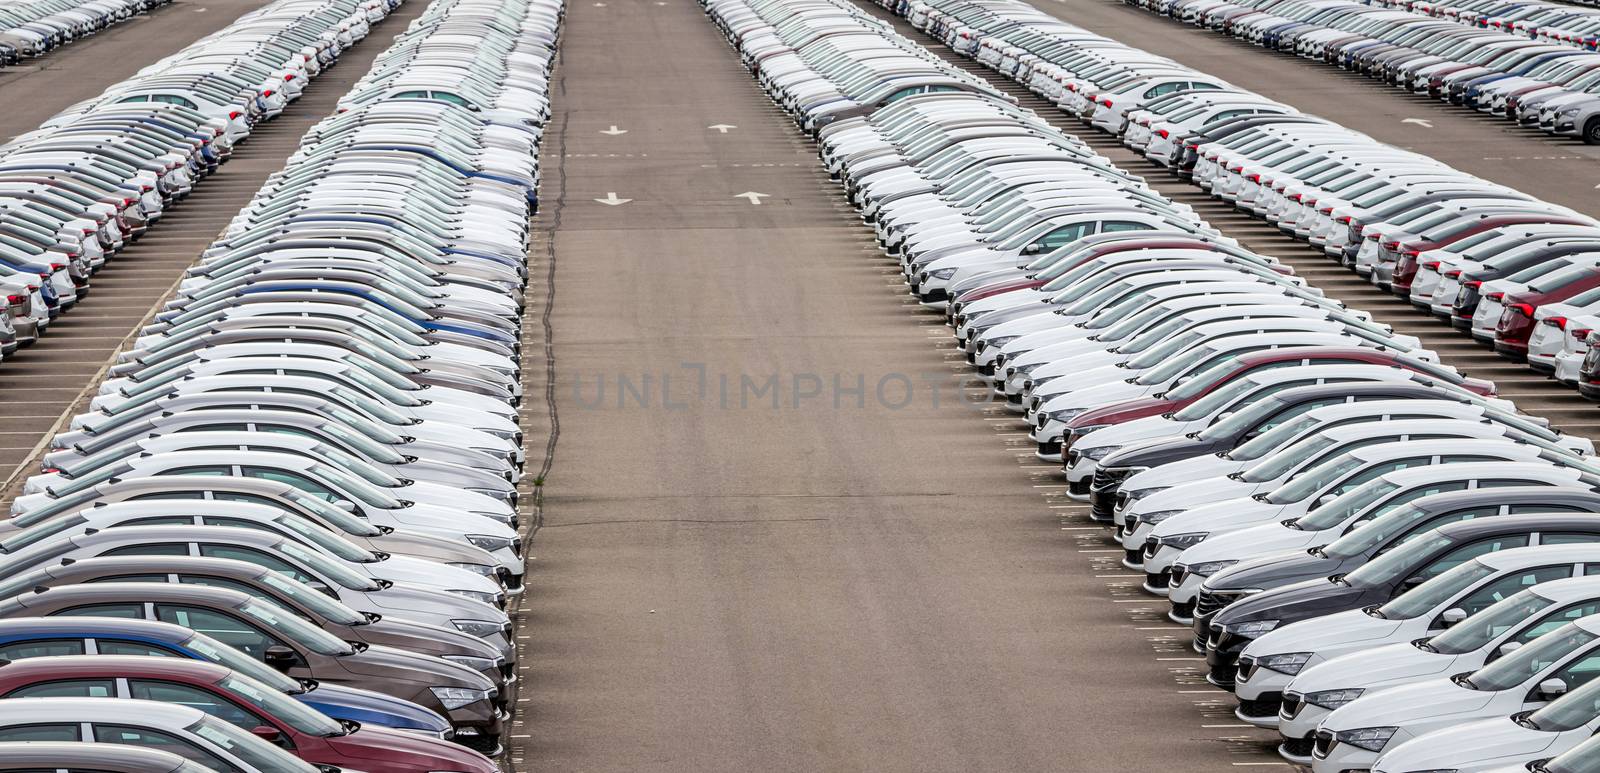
x=1591, y=131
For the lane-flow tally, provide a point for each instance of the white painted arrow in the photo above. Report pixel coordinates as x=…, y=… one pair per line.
x=1426, y=124
x=612, y=200
x=613, y=131
x=755, y=198
x=722, y=127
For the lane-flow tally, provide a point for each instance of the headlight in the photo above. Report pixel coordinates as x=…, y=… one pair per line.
x=476, y=664
x=496, y=494
x=1573, y=110
x=1140, y=493
x=1182, y=541
x=943, y=273
x=1066, y=415
x=455, y=697
x=1081, y=431
x=489, y=542
x=1251, y=629
x=1098, y=453
x=1158, y=516
x=1373, y=739
x=479, y=628
x=1208, y=568
x=481, y=569
x=1332, y=699
x=503, y=434
x=503, y=519
x=492, y=599
x=1286, y=663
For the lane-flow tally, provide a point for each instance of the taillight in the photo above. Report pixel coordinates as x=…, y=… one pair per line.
x=1557, y=322
x=1411, y=253
x=267, y=92
x=1472, y=283
x=14, y=300
x=1525, y=309
x=1496, y=297
x=1163, y=133
x=1106, y=101
x=1580, y=334
x=232, y=114
x=288, y=77
x=1453, y=274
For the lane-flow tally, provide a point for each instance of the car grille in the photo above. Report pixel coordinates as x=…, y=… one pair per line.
x=1159, y=579
x=1079, y=487
x=1263, y=707
x=1222, y=673
x=1323, y=744
x=1183, y=609
x=1179, y=572
x=1151, y=547
x=1209, y=603
x=1299, y=747
x=1134, y=556
x=1247, y=668
x=482, y=744
x=1293, y=702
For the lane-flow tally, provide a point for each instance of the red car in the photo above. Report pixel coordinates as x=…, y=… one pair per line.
x=1270, y=358
x=238, y=699
x=1511, y=333
x=1406, y=253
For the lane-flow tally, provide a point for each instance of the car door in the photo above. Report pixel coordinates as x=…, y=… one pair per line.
x=223, y=627
x=1500, y=588
x=156, y=739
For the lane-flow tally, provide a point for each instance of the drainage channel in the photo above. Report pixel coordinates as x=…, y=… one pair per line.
x=41, y=387
x=1534, y=393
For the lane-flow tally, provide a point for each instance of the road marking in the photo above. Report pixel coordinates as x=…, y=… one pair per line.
x=613, y=131
x=755, y=198
x=1423, y=122
x=720, y=127
x=612, y=200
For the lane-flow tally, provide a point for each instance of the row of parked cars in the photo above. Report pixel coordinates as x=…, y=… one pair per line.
x=1532, y=63
x=29, y=28
x=1325, y=495
x=284, y=535
x=99, y=174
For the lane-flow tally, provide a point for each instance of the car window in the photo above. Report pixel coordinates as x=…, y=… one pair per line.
x=67, y=688
x=134, y=611
x=157, y=549
x=1568, y=538
x=224, y=628
x=1504, y=587
x=121, y=647
x=1120, y=226
x=1519, y=509
x=131, y=578
x=20, y=733
x=257, y=557
x=21, y=650
x=1470, y=551
x=193, y=697
x=1555, y=620
x=201, y=470
x=160, y=520
x=1063, y=236
x=1580, y=671
x=155, y=739
x=294, y=479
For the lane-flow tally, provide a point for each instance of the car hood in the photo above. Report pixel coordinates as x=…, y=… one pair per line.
x=1183, y=471
x=1474, y=744
x=418, y=752
x=1165, y=451
x=1251, y=542
x=1123, y=409
x=1134, y=431
x=1329, y=632
x=1432, y=701
x=1295, y=602
x=1381, y=667
x=368, y=707
x=1280, y=569
x=1226, y=515
x=386, y=662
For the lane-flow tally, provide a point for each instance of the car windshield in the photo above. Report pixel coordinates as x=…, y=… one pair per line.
x=374, y=450
x=1348, y=505
x=1286, y=460
x=32, y=535
x=342, y=575
x=1239, y=422
x=275, y=704
x=276, y=619
x=357, y=487
x=1161, y=355
x=308, y=597
x=1569, y=712
x=1477, y=631
x=1304, y=485
x=1203, y=380
x=347, y=523
x=1376, y=532
x=324, y=539
x=1434, y=593
x=1391, y=565
x=1150, y=337
x=1269, y=441
x=258, y=754
x=1172, y=366
x=1217, y=400
x=1530, y=660
x=217, y=652
x=1583, y=758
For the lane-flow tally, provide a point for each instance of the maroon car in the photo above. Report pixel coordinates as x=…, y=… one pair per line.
x=1406, y=253
x=1511, y=333
x=1241, y=366
x=238, y=699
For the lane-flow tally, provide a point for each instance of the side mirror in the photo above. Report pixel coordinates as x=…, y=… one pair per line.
x=1550, y=689
x=1326, y=498
x=1033, y=249
x=266, y=733
x=281, y=657
x=1508, y=648
x=345, y=505
x=1412, y=582
x=1453, y=616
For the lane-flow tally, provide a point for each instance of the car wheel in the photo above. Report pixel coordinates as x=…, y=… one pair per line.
x=1591, y=132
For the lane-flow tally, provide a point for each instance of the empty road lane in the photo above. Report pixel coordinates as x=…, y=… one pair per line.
x=774, y=537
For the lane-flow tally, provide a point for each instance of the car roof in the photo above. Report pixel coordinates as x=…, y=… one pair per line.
x=69, y=666
x=54, y=754
x=1539, y=554
x=1450, y=500
x=93, y=626
x=34, y=710
x=146, y=591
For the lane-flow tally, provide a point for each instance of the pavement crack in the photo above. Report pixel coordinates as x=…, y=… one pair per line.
x=712, y=521
x=537, y=509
